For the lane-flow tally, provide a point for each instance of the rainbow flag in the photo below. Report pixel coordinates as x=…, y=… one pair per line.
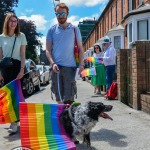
x=10, y=96
x=41, y=128
x=94, y=60
x=88, y=72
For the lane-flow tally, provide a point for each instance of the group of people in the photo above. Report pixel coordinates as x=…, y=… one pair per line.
x=105, y=70
x=60, y=42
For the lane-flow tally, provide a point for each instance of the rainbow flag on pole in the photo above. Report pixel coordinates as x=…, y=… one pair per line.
x=88, y=72
x=94, y=60
x=41, y=128
x=10, y=96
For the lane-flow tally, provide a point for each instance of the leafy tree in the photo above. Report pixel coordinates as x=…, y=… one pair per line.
x=6, y=6
x=29, y=29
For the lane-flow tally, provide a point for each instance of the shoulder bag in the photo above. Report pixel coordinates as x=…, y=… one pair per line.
x=76, y=50
x=7, y=61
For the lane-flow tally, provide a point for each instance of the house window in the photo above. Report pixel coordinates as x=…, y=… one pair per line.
x=142, y=34
x=122, y=8
x=131, y=5
x=130, y=32
x=111, y=17
x=116, y=13
x=117, y=42
x=140, y=2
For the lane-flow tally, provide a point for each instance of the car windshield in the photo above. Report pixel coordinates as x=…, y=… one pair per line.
x=47, y=67
x=40, y=68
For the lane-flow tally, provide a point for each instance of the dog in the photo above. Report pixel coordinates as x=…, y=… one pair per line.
x=79, y=119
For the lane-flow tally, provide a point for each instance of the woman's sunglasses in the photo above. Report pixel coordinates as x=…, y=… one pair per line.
x=96, y=48
x=61, y=14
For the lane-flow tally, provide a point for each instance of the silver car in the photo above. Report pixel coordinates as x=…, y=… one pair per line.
x=31, y=79
x=44, y=74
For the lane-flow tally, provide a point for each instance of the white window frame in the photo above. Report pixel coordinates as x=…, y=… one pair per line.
x=134, y=19
x=120, y=41
x=147, y=28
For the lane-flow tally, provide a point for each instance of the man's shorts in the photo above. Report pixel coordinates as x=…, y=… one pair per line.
x=67, y=84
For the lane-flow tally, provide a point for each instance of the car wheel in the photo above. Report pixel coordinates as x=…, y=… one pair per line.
x=30, y=88
x=44, y=81
x=48, y=80
x=38, y=87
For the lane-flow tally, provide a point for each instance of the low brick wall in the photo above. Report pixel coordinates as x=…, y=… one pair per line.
x=133, y=70
x=145, y=103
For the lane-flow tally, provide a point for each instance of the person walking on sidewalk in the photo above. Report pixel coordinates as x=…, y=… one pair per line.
x=60, y=53
x=12, y=41
x=100, y=78
x=109, y=60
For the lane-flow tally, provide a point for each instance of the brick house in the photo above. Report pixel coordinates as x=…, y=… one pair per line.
x=127, y=23
x=122, y=21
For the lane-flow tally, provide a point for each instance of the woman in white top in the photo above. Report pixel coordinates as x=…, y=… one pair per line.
x=12, y=36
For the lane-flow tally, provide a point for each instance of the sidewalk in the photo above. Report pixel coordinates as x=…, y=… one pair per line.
x=129, y=130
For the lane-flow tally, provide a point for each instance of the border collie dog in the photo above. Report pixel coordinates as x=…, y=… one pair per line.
x=78, y=120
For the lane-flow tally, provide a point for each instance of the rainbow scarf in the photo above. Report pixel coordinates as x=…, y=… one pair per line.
x=89, y=72
x=10, y=96
x=41, y=129
x=94, y=60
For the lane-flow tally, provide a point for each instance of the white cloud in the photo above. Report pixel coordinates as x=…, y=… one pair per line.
x=84, y=2
x=39, y=21
x=74, y=19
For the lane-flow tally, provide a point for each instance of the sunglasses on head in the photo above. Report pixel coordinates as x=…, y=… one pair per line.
x=61, y=14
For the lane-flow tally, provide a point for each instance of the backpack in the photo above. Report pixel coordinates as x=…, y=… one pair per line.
x=112, y=92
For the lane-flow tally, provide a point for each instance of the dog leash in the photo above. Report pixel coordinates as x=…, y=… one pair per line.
x=59, y=87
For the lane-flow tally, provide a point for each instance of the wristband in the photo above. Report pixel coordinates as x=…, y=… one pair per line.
x=53, y=64
x=81, y=65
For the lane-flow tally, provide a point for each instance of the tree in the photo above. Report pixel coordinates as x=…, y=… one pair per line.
x=6, y=6
x=29, y=29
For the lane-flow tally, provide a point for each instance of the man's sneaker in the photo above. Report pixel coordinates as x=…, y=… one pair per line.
x=13, y=127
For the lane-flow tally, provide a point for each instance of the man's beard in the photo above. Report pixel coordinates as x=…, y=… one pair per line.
x=62, y=21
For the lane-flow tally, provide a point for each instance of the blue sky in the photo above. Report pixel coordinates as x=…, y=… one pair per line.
x=42, y=12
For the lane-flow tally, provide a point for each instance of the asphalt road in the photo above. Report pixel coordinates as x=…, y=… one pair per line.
x=129, y=130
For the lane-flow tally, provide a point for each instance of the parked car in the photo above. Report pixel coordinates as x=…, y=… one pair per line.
x=49, y=68
x=31, y=79
x=44, y=74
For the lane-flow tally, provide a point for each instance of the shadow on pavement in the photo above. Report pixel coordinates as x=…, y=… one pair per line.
x=84, y=147
x=113, y=138
x=13, y=136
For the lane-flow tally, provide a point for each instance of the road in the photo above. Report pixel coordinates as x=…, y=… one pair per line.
x=129, y=130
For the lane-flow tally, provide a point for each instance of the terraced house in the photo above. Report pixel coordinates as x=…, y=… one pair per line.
x=127, y=23
x=124, y=21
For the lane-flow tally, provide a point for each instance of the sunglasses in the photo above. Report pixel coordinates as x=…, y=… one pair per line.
x=96, y=48
x=61, y=14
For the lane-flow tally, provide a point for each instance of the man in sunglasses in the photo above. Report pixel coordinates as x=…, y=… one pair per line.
x=60, y=53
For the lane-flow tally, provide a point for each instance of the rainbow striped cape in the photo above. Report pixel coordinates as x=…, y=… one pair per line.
x=88, y=72
x=41, y=129
x=10, y=96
